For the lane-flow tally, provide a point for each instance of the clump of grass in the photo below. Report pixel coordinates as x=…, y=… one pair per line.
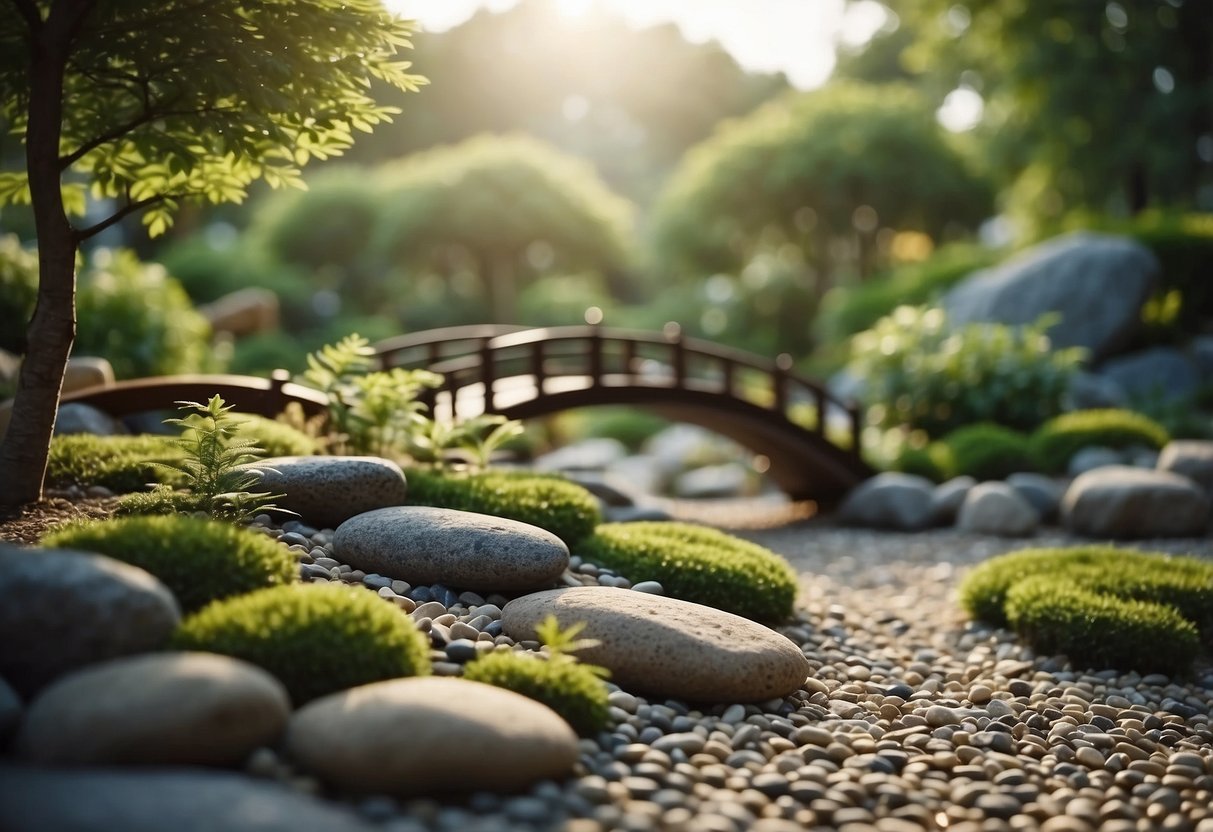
x=315, y=638
x=1055, y=442
x=697, y=564
x=120, y=463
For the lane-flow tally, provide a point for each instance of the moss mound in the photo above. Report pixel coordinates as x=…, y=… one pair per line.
x=1071, y=590
x=274, y=437
x=120, y=463
x=563, y=508
x=933, y=461
x=316, y=638
x=1057, y=440
x=200, y=560
x=987, y=451
x=570, y=689
x=697, y=564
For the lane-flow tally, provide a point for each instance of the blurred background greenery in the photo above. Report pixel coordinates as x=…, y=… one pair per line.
x=613, y=154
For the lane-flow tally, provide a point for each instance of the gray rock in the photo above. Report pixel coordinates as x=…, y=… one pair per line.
x=328, y=490
x=1098, y=283
x=1140, y=456
x=636, y=514
x=667, y=647
x=1159, y=374
x=425, y=545
x=1190, y=458
x=73, y=609
x=587, y=455
x=1201, y=351
x=155, y=800
x=889, y=500
x=1091, y=391
x=712, y=481
x=84, y=371
x=682, y=446
x=1042, y=493
x=608, y=494
x=996, y=508
x=1120, y=501
x=425, y=735
x=638, y=474
x=947, y=498
x=75, y=417
x=157, y=709
x=10, y=713
x=1092, y=457
x=243, y=312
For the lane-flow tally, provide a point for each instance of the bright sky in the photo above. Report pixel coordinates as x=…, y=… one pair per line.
x=796, y=37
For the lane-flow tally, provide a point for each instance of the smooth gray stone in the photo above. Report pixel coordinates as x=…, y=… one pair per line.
x=889, y=501
x=594, y=454
x=1097, y=283
x=72, y=609
x=1092, y=457
x=1121, y=502
x=668, y=647
x=156, y=709
x=325, y=491
x=1159, y=374
x=77, y=417
x=1191, y=458
x=424, y=545
x=159, y=800
x=996, y=508
x=948, y=497
x=1042, y=493
x=424, y=735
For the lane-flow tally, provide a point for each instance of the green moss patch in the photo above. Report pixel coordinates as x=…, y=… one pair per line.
x=1057, y=440
x=697, y=564
x=120, y=463
x=1100, y=605
x=570, y=689
x=563, y=508
x=199, y=560
x=316, y=638
x=274, y=437
x=987, y=451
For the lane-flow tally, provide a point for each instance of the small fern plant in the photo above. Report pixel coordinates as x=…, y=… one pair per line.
x=215, y=469
x=479, y=438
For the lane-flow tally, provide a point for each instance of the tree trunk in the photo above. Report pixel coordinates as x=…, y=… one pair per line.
x=26, y=445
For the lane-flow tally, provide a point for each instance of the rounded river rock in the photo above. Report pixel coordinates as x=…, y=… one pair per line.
x=667, y=647
x=424, y=545
x=325, y=491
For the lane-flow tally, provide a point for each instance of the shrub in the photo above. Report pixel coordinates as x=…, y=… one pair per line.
x=1056, y=441
x=987, y=451
x=120, y=463
x=140, y=319
x=697, y=564
x=933, y=461
x=570, y=689
x=1182, y=585
x=563, y=508
x=199, y=559
x=919, y=373
x=1101, y=630
x=18, y=291
x=316, y=638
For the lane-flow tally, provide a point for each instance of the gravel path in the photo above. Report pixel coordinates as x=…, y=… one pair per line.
x=913, y=718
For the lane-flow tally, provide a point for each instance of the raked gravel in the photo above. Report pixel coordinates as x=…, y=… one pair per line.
x=913, y=717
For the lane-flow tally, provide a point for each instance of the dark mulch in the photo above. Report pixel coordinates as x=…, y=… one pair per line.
x=27, y=524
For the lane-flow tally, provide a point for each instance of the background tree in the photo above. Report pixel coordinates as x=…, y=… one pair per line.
x=822, y=175
x=504, y=209
x=147, y=105
x=1096, y=106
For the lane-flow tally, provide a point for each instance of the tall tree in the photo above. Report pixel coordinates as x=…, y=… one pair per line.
x=152, y=104
x=504, y=208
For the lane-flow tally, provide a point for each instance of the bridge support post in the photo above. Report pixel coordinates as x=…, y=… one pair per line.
x=487, y=375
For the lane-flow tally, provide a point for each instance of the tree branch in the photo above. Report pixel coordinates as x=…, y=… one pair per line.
x=118, y=216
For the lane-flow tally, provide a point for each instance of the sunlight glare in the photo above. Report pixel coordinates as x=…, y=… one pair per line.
x=574, y=8
x=962, y=110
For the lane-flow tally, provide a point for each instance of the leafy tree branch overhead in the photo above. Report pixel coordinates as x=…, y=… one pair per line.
x=146, y=105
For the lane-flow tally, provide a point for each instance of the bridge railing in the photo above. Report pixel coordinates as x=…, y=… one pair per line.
x=606, y=357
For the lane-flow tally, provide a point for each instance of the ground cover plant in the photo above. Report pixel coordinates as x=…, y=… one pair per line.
x=315, y=638
x=120, y=463
x=697, y=564
x=1055, y=442
x=986, y=451
x=198, y=559
x=550, y=502
x=574, y=690
x=1100, y=605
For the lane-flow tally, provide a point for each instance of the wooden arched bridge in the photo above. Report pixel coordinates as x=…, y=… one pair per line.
x=807, y=435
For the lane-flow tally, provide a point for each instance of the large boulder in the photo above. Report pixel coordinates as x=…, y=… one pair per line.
x=1096, y=282
x=1192, y=458
x=155, y=800
x=156, y=709
x=325, y=491
x=421, y=736
x=666, y=647
x=61, y=610
x=424, y=545
x=1121, y=501
x=1160, y=374
x=890, y=501
x=996, y=508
